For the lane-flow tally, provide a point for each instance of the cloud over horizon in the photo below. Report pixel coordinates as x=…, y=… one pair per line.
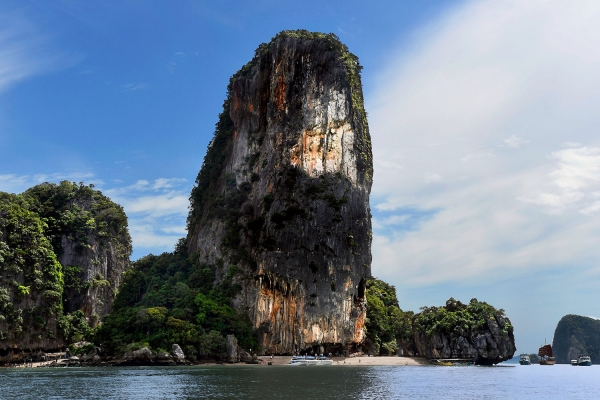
x=490, y=119
x=157, y=211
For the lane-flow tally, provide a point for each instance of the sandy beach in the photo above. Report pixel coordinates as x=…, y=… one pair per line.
x=337, y=361
x=358, y=361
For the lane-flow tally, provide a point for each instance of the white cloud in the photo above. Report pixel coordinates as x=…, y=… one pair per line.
x=171, y=203
x=12, y=183
x=131, y=87
x=26, y=52
x=180, y=230
x=576, y=176
x=157, y=211
x=145, y=235
x=514, y=141
x=487, y=78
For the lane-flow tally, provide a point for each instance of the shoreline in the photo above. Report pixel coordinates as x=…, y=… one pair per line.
x=276, y=360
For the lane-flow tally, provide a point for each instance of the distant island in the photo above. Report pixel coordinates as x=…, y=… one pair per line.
x=576, y=335
x=277, y=259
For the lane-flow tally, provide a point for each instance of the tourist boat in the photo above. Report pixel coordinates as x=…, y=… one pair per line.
x=441, y=363
x=453, y=362
x=546, y=357
x=310, y=360
x=524, y=359
x=574, y=363
x=584, y=361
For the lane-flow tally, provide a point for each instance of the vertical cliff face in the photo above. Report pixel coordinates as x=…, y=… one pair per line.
x=90, y=238
x=282, y=199
x=31, y=281
x=63, y=249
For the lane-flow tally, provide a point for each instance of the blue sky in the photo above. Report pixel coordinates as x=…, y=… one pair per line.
x=483, y=116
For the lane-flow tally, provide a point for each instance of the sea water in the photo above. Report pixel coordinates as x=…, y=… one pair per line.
x=302, y=382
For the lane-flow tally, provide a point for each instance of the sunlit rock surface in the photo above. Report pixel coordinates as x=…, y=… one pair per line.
x=283, y=194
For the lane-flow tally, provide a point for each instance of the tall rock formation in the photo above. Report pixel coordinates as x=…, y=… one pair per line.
x=90, y=238
x=282, y=199
x=63, y=249
x=31, y=281
x=576, y=335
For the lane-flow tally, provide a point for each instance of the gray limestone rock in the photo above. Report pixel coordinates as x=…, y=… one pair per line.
x=283, y=194
x=177, y=353
x=231, y=346
x=244, y=356
x=142, y=355
x=488, y=344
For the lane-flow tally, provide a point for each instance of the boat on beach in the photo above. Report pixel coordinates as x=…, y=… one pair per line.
x=546, y=356
x=524, y=359
x=310, y=360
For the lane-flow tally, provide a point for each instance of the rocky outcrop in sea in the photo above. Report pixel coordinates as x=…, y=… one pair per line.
x=576, y=335
x=282, y=199
x=474, y=331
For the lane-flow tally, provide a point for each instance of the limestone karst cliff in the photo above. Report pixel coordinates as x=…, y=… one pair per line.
x=282, y=199
x=576, y=335
x=90, y=238
x=63, y=249
x=475, y=331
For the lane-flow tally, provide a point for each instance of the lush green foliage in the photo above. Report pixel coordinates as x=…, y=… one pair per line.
x=78, y=211
x=457, y=318
x=29, y=271
x=170, y=299
x=387, y=325
x=34, y=286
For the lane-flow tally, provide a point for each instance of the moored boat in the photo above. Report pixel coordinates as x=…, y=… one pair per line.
x=584, y=361
x=524, y=359
x=311, y=360
x=453, y=362
x=546, y=356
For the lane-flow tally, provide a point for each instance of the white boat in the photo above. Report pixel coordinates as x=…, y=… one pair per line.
x=524, y=359
x=310, y=360
x=584, y=360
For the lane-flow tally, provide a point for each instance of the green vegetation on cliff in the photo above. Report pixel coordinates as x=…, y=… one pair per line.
x=170, y=299
x=31, y=280
x=576, y=335
x=475, y=330
x=34, y=286
x=457, y=318
x=387, y=326
x=62, y=208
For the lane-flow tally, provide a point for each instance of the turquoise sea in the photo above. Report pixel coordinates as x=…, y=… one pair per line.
x=286, y=382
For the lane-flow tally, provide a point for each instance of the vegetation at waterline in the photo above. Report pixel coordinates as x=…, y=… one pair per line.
x=388, y=328
x=169, y=299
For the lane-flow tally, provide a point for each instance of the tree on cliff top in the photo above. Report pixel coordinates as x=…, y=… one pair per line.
x=458, y=318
